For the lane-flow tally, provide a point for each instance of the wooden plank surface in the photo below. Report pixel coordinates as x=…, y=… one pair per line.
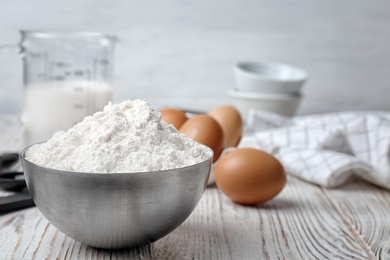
x=304, y=222
x=365, y=209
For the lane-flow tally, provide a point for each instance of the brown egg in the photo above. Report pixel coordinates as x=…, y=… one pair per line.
x=230, y=120
x=205, y=130
x=249, y=176
x=173, y=116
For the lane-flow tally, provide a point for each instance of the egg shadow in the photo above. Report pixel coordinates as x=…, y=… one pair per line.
x=275, y=204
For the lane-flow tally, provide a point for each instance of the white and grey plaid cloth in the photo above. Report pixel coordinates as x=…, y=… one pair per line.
x=328, y=149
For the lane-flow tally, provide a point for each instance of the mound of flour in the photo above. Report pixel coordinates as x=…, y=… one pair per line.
x=125, y=137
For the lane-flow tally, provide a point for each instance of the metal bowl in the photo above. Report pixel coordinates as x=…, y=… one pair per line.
x=116, y=210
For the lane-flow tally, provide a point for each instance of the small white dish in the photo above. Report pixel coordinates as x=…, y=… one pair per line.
x=269, y=77
x=282, y=104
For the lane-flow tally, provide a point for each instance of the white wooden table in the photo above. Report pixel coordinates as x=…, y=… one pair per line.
x=303, y=222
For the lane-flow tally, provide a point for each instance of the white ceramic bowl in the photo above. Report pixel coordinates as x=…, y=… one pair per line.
x=282, y=104
x=268, y=77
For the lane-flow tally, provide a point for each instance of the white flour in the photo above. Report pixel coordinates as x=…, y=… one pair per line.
x=126, y=137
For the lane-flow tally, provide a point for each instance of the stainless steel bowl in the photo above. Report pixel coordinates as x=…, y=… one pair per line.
x=116, y=210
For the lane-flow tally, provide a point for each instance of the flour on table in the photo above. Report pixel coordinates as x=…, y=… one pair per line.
x=125, y=137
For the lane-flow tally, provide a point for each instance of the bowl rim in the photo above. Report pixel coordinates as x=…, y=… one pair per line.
x=281, y=66
x=233, y=92
x=22, y=155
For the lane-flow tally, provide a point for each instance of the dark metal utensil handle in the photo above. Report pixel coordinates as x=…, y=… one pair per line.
x=19, y=200
x=12, y=180
x=7, y=159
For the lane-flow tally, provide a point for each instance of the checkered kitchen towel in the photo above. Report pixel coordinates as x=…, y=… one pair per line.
x=327, y=150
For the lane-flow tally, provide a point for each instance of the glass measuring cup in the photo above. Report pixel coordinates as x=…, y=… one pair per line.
x=67, y=76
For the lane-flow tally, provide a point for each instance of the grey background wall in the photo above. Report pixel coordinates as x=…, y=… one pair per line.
x=181, y=52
